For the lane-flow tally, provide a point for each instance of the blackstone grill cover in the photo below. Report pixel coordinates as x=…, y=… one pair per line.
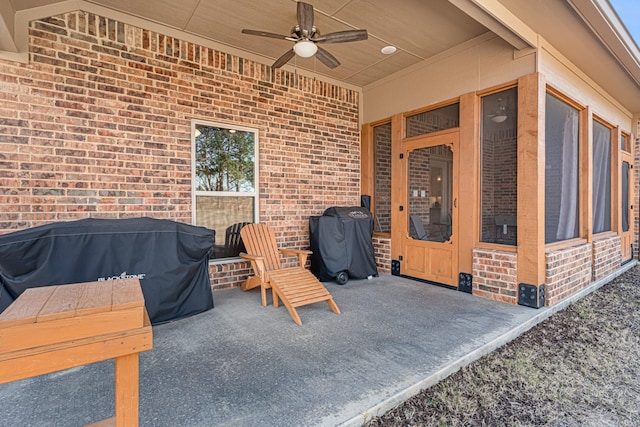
x=169, y=258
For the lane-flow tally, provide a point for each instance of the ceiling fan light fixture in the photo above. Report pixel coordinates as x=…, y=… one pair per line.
x=305, y=48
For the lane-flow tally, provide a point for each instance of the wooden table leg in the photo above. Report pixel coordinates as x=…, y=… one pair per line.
x=126, y=390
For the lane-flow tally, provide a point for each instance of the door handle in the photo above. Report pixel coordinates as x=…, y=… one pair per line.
x=455, y=202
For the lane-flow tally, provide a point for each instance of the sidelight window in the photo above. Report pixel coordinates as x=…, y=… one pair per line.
x=499, y=168
x=561, y=170
x=601, y=178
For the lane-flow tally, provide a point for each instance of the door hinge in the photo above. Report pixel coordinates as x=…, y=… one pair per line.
x=400, y=257
x=402, y=155
x=401, y=208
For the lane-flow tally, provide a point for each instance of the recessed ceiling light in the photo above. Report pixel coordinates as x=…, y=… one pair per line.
x=388, y=50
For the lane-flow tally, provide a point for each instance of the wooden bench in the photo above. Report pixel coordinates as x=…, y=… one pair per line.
x=53, y=328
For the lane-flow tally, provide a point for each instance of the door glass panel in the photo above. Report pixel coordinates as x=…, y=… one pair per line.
x=625, y=196
x=430, y=188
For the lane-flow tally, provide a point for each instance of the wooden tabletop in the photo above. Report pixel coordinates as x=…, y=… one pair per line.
x=55, y=314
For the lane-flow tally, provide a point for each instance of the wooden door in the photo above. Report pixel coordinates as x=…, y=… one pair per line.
x=429, y=208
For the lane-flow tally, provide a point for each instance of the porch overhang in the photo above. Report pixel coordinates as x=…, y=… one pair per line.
x=497, y=18
x=600, y=17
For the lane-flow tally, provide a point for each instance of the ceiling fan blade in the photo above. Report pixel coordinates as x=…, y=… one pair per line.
x=284, y=59
x=326, y=58
x=343, y=36
x=266, y=34
x=305, y=18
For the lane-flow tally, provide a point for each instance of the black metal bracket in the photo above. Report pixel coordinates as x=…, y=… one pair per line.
x=395, y=267
x=531, y=295
x=465, y=283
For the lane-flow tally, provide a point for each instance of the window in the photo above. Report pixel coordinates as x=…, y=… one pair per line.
x=561, y=170
x=499, y=168
x=601, y=181
x=225, y=170
x=625, y=196
x=382, y=177
x=433, y=120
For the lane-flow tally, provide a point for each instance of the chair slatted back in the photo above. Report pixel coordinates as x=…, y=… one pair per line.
x=232, y=241
x=259, y=239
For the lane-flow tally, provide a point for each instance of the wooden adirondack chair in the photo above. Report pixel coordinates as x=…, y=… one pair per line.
x=295, y=286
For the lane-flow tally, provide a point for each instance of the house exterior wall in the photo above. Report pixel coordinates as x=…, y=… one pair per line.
x=561, y=74
x=382, y=248
x=568, y=271
x=98, y=124
x=566, y=268
x=476, y=65
x=606, y=255
x=636, y=185
x=495, y=275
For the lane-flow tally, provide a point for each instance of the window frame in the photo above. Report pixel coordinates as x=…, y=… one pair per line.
x=627, y=142
x=195, y=193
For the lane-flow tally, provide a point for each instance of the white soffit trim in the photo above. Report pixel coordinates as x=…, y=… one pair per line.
x=497, y=18
x=604, y=22
x=20, y=27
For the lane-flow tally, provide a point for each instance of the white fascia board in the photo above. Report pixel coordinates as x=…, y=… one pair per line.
x=604, y=22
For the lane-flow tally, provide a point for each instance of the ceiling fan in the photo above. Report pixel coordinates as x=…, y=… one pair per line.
x=306, y=36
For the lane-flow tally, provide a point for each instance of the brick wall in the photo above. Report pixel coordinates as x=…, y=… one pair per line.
x=606, y=256
x=228, y=274
x=495, y=275
x=499, y=184
x=382, y=248
x=568, y=271
x=98, y=124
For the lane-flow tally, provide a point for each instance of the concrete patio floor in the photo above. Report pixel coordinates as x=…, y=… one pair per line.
x=242, y=364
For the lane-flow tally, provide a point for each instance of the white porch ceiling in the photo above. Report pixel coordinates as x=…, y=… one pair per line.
x=420, y=29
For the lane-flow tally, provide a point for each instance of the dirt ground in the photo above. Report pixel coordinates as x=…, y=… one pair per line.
x=580, y=367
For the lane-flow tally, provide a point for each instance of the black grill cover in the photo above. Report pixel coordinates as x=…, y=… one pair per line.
x=341, y=241
x=169, y=258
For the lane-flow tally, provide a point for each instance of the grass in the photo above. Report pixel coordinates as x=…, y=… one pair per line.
x=580, y=367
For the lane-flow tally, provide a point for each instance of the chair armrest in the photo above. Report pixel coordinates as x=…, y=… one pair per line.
x=257, y=263
x=250, y=257
x=302, y=254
